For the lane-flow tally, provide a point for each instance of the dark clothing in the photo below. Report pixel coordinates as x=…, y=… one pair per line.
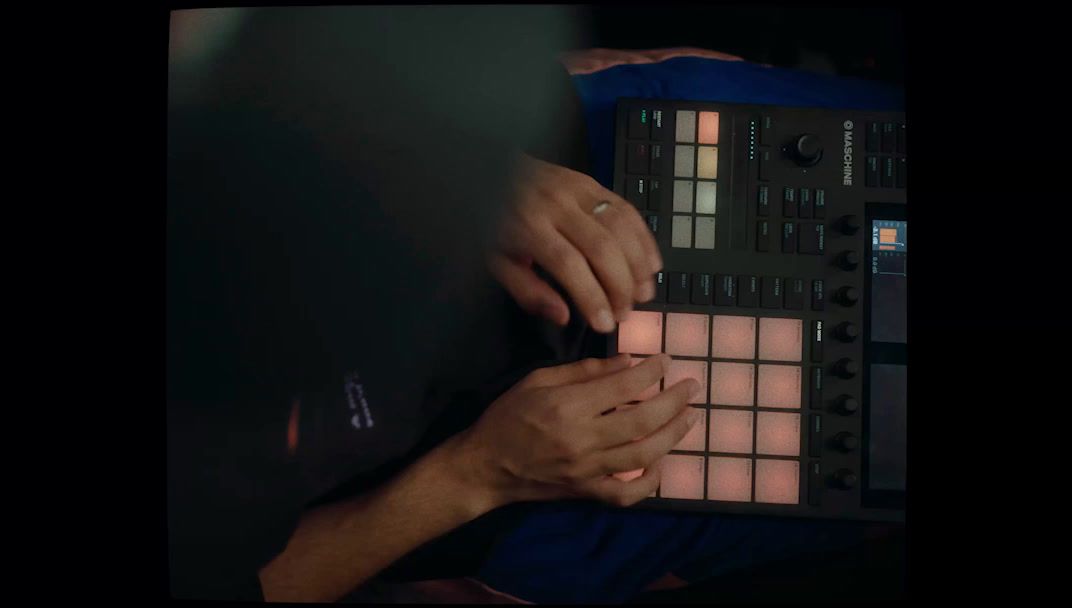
x=330, y=195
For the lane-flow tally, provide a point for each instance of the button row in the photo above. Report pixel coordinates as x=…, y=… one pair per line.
x=805, y=203
x=885, y=137
x=885, y=171
x=743, y=291
x=805, y=237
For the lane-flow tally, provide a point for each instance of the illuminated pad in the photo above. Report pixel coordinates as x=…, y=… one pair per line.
x=778, y=434
x=729, y=479
x=780, y=339
x=652, y=390
x=778, y=481
x=731, y=431
x=708, y=128
x=641, y=333
x=694, y=440
x=681, y=369
x=682, y=477
x=687, y=334
x=733, y=337
x=732, y=383
x=779, y=386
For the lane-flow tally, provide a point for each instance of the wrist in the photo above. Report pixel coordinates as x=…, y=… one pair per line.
x=469, y=476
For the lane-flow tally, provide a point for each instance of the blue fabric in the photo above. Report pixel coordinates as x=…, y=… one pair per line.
x=589, y=553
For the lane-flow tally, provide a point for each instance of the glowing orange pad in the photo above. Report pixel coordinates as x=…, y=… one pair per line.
x=681, y=369
x=682, y=477
x=732, y=383
x=778, y=481
x=780, y=339
x=694, y=440
x=731, y=431
x=708, y=128
x=779, y=386
x=733, y=337
x=729, y=479
x=687, y=334
x=778, y=434
x=641, y=333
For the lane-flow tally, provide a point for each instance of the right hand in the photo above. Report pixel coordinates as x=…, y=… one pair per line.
x=548, y=438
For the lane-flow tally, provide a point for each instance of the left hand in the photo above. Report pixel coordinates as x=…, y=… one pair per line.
x=592, y=241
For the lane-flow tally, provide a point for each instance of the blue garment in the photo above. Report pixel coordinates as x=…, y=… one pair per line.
x=590, y=553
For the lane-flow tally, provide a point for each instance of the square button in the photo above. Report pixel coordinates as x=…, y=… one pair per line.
x=693, y=441
x=687, y=334
x=681, y=369
x=681, y=231
x=733, y=337
x=686, y=126
x=732, y=383
x=652, y=390
x=682, y=477
x=683, y=195
x=708, y=128
x=779, y=386
x=707, y=162
x=778, y=434
x=780, y=339
x=684, y=161
x=705, y=233
x=778, y=481
x=705, y=197
x=730, y=431
x=729, y=479
x=641, y=333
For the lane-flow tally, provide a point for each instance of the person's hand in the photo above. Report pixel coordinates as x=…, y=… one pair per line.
x=551, y=436
x=590, y=240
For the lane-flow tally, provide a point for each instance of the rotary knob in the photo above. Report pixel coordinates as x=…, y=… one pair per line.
x=846, y=442
x=848, y=260
x=845, y=479
x=846, y=405
x=848, y=225
x=847, y=332
x=806, y=150
x=847, y=296
x=846, y=368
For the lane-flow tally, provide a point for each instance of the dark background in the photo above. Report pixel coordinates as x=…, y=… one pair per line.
x=848, y=41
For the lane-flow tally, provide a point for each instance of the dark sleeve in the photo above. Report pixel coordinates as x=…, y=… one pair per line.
x=329, y=196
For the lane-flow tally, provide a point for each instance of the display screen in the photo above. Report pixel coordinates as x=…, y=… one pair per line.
x=889, y=281
x=887, y=447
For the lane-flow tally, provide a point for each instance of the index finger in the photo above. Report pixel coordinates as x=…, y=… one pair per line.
x=614, y=389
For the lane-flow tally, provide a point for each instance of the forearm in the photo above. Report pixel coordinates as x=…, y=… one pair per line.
x=339, y=546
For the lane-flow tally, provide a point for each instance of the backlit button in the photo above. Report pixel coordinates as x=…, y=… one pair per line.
x=887, y=172
x=816, y=341
x=763, y=201
x=725, y=290
x=641, y=333
x=748, y=291
x=794, y=295
x=815, y=395
x=805, y=205
x=653, y=223
x=815, y=435
x=789, y=238
x=772, y=292
x=815, y=484
x=639, y=121
x=819, y=208
x=789, y=202
x=873, y=136
x=659, y=129
x=818, y=296
x=686, y=126
x=889, y=137
x=657, y=159
x=636, y=191
x=762, y=235
x=812, y=238
x=638, y=160
x=661, y=280
x=871, y=172
x=702, y=289
x=765, y=125
x=679, y=288
x=901, y=139
x=764, y=158
x=902, y=173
